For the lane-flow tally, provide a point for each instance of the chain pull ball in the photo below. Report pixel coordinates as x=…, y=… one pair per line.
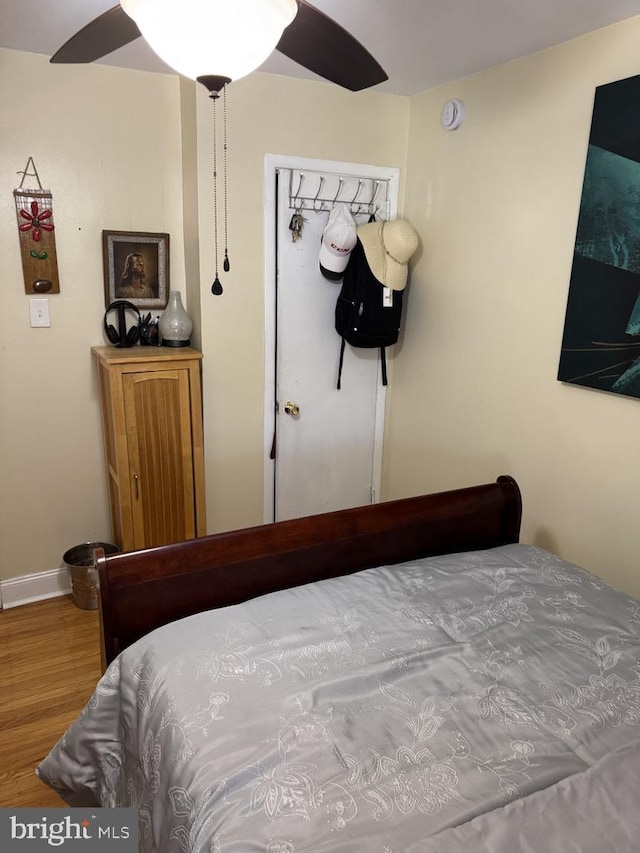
x=215, y=85
x=226, y=265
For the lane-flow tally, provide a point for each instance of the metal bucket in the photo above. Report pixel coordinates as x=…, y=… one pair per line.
x=84, y=577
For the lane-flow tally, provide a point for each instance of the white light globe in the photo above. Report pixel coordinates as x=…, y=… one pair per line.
x=226, y=38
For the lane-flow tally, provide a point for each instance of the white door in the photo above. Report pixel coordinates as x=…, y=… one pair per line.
x=327, y=442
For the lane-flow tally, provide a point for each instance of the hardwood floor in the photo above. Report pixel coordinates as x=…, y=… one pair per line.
x=49, y=666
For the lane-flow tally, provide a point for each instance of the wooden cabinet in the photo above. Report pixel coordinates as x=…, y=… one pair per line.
x=152, y=419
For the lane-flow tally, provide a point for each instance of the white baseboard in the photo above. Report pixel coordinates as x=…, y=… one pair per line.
x=36, y=587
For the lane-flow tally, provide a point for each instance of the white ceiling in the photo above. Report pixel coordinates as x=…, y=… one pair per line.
x=420, y=43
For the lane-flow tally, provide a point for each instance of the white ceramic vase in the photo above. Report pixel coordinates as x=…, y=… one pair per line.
x=175, y=325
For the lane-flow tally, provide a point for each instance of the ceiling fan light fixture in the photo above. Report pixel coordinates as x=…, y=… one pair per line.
x=201, y=38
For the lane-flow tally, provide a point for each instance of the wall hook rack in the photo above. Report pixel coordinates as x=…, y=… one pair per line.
x=330, y=188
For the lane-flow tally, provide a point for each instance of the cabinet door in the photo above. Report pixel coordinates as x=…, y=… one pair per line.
x=158, y=422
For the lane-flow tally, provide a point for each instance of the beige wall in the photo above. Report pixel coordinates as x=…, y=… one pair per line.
x=266, y=115
x=107, y=143
x=131, y=150
x=474, y=389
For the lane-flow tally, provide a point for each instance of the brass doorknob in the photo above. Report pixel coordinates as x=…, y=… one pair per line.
x=291, y=408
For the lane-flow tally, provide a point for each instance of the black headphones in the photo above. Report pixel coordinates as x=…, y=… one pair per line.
x=120, y=337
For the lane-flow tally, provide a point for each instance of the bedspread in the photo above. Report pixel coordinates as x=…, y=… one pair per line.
x=362, y=713
x=591, y=812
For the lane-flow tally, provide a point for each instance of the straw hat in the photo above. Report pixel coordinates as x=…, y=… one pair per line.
x=388, y=247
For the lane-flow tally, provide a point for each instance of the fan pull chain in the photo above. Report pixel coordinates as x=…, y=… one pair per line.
x=216, y=287
x=226, y=265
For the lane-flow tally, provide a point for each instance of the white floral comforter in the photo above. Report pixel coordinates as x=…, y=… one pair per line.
x=595, y=811
x=363, y=713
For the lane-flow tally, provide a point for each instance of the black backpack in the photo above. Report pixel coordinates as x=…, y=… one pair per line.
x=362, y=317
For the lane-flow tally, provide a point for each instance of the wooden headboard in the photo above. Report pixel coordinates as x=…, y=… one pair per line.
x=142, y=590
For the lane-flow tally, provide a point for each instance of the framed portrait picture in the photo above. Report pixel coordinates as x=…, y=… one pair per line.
x=136, y=268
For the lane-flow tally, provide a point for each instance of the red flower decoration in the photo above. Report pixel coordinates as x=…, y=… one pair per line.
x=35, y=221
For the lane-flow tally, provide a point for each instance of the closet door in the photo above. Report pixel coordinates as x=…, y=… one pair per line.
x=158, y=423
x=328, y=442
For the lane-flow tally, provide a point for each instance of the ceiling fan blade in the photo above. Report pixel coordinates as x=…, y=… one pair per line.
x=318, y=43
x=106, y=33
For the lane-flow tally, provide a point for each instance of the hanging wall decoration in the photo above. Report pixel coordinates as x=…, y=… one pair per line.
x=601, y=341
x=36, y=230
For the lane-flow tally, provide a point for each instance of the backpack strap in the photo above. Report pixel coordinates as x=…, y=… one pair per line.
x=383, y=364
x=342, y=345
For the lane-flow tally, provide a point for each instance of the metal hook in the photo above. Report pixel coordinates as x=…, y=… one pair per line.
x=335, y=198
x=321, y=208
x=353, y=200
x=376, y=187
x=295, y=198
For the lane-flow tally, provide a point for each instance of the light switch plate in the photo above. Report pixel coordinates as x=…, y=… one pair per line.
x=39, y=313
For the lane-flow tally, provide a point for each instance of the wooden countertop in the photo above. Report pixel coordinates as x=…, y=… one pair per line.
x=123, y=355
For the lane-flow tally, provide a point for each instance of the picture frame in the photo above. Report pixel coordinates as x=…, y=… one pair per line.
x=602, y=318
x=136, y=268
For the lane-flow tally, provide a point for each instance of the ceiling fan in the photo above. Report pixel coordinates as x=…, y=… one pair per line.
x=217, y=41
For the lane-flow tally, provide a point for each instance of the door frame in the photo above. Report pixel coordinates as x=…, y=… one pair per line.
x=272, y=164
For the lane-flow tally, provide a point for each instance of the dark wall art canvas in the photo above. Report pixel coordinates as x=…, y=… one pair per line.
x=601, y=341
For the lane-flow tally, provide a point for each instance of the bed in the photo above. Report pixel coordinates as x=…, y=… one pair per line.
x=399, y=677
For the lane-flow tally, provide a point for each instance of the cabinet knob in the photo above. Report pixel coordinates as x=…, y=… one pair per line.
x=291, y=408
